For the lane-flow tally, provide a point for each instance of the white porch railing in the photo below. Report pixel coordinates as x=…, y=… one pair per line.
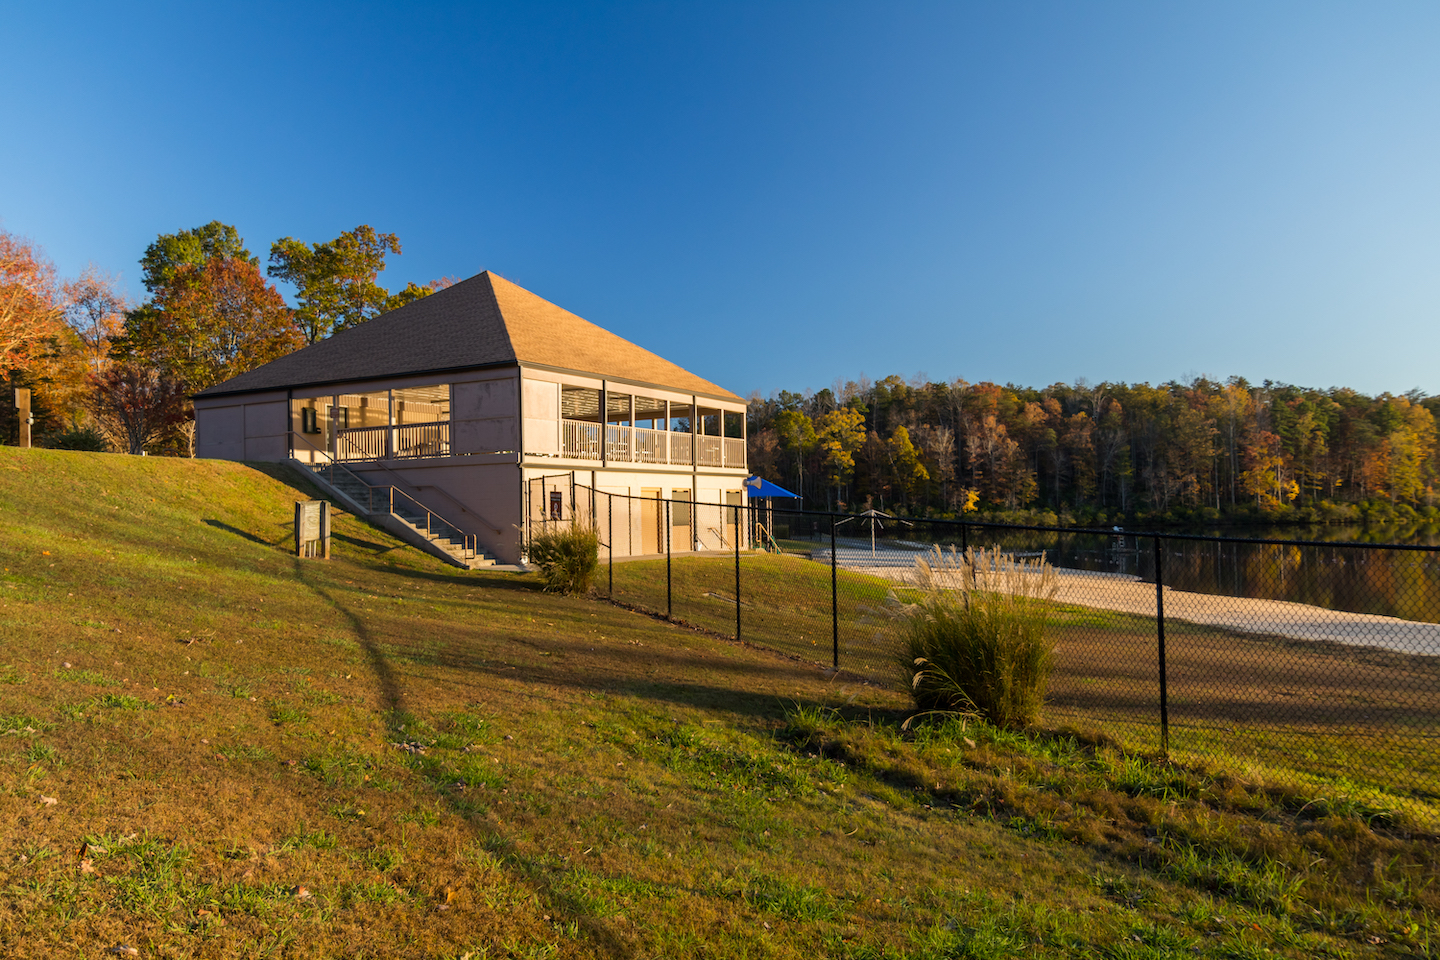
x=617, y=441
x=708, y=452
x=650, y=445
x=394, y=443
x=680, y=447
x=580, y=440
x=362, y=443
x=422, y=440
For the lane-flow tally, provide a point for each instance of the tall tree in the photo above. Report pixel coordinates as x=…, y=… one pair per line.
x=839, y=433
x=335, y=281
x=136, y=405
x=95, y=311
x=209, y=323
x=171, y=251
x=30, y=304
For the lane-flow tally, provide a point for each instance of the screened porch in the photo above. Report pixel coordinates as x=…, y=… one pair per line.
x=641, y=429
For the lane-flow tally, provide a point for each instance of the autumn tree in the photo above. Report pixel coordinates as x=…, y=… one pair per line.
x=336, y=281
x=136, y=405
x=30, y=305
x=95, y=311
x=209, y=323
x=797, y=438
x=194, y=248
x=910, y=473
x=839, y=434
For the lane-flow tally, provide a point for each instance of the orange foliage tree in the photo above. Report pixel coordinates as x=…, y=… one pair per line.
x=29, y=301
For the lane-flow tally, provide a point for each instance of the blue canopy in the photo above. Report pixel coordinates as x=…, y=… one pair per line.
x=759, y=489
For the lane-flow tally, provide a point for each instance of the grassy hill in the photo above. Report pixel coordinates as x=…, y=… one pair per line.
x=210, y=748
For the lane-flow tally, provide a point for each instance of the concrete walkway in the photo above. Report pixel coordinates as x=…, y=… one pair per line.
x=1126, y=594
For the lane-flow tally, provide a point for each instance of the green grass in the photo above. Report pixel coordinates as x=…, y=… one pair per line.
x=380, y=755
x=1105, y=677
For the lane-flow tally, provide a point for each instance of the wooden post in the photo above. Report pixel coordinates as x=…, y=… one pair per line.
x=26, y=418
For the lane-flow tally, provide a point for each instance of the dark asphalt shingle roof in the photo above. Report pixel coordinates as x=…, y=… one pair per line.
x=483, y=321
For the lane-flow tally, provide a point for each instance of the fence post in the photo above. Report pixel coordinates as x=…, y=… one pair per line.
x=1160, y=638
x=669, y=602
x=834, y=600
x=610, y=509
x=964, y=538
x=737, y=568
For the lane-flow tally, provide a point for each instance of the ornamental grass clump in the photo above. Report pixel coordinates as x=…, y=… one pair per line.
x=567, y=558
x=972, y=634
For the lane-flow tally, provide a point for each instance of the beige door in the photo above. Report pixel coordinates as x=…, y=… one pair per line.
x=651, y=517
x=733, y=498
x=681, y=518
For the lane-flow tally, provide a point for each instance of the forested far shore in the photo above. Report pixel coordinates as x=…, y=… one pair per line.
x=1197, y=451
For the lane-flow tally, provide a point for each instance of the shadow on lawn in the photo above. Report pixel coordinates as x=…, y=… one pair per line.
x=606, y=942
x=222, y=525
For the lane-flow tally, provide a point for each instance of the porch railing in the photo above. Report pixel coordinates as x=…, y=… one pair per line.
x=384, y=498
x=580, y=440
x=394, y=443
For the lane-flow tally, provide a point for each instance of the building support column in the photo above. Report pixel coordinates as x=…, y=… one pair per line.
x=604, y=423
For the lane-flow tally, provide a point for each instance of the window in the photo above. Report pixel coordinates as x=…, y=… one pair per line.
x=557, y=505
x=680, y=508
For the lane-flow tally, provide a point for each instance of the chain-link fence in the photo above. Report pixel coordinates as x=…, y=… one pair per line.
x=1318, y=660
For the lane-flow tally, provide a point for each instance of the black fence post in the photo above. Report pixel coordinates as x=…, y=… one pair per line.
x=834, y=601
x=610, y=509
x=669, y=603
x=1160, y=638
x=964, y=537
x=737, y=571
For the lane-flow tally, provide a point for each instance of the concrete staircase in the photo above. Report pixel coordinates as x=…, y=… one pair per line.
x=395, y=510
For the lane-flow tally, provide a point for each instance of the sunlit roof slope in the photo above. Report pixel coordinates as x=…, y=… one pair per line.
x=483, y=321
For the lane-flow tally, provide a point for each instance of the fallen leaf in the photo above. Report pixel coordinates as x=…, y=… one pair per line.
x=87, y=866
x=301, y=893
x=48, y=801
x=124, y=950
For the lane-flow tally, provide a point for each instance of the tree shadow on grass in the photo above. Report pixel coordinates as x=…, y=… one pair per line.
x=222, y=525
x=556, y=902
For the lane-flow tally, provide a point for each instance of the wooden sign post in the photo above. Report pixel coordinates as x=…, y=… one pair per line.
x=22, y=404
x=312, y=528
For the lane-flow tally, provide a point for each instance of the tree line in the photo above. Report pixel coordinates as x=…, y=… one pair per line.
x=106, y=373
x=1091, y=453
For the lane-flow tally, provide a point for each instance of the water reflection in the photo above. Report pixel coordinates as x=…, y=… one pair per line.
x=1357, y=579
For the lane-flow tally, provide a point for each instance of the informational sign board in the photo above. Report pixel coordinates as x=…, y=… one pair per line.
x=312, y=528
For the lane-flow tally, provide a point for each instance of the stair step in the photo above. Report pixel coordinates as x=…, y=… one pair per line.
x=440, y=533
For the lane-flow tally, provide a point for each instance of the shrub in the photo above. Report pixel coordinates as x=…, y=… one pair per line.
x=567, y=558
x=78, y=438
x=972, y=639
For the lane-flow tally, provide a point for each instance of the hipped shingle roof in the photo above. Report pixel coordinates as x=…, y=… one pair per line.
x=483, y=321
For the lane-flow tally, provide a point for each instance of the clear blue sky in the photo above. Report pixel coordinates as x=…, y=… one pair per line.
x=775, y=195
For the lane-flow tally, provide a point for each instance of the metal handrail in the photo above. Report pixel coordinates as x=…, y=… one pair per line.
x=469, y=542
x=463, y=508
